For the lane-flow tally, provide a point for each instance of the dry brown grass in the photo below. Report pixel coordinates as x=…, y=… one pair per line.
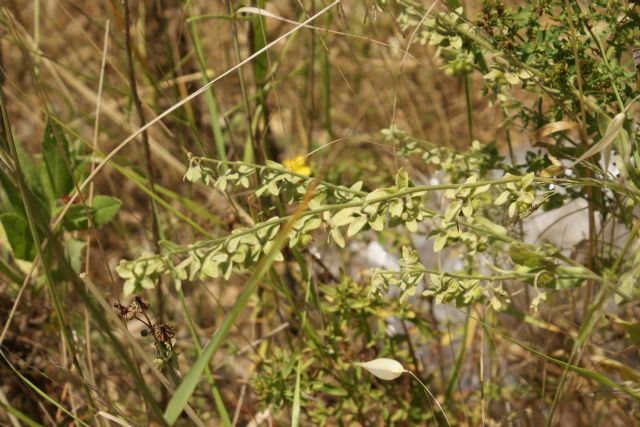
x=59, y=73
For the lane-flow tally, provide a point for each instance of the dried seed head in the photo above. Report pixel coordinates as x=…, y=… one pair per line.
x=132, y=310
x=119, y=306
x=142, y=303
x=125, y=312
x=163, y=332
x=138, y=305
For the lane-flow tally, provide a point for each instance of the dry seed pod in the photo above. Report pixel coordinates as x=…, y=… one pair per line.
x=383, y=368
x=163, y=332
x=636, y=57
x=126, y=312
x=141, y=305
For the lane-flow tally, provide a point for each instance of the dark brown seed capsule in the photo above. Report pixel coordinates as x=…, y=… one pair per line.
x=142, y=302
x=163, y=332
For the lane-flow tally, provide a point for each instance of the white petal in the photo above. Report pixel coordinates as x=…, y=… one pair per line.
x=384, y=368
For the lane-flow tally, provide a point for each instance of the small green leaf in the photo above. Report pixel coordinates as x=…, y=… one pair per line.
x=412, y=225
x=356, y=226
x=342, y=217
x=337, y=237
x=210, y=268
x=452, y=210
x=439, y=242
x=19, y=235
x=528, y=197
x=55, y=153
x=396, y=208
x=147, y=283
x=11, y=191
x=377, y=223
x=527, y=180
x=467, y=210
x=311, y=224
x=221, y=184
x=76, y=218
x=129, y=287
x=357, y=186
x=273, y=189
x=402, y=179
x=450, y=193
x=73, y=252
x=481, y=189
x=502, y=198
x=104, y=209
x=194, y=173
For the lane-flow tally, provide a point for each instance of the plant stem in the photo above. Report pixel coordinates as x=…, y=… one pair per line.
x=468, y=99
x=429, y=394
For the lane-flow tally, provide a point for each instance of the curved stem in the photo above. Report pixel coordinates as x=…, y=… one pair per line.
x=429, y=394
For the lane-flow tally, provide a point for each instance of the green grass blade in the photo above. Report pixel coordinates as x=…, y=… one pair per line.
x=295, y=413
x=191, y=380
x=41, y=393
x=19, y=415
x=215, y=393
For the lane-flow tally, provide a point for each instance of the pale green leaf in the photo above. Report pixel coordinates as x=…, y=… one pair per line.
x=467, y=210
x=396, y=208
x=342, y=217
x=452, y=210
x=411, y=225
x=502, y=198
x=527, y=180
x=439, y=242
x=402, y=178
x=311, y=224
x=337, y=237
x=356, y=225
x=273, y=189
x=377, y=223
x=482, y=189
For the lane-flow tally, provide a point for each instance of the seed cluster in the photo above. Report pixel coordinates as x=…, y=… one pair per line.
x=137, y=309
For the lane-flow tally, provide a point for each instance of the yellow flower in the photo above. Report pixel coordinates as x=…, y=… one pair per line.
x=297, y=165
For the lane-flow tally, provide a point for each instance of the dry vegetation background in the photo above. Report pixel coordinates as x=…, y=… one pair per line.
x=52, y=66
